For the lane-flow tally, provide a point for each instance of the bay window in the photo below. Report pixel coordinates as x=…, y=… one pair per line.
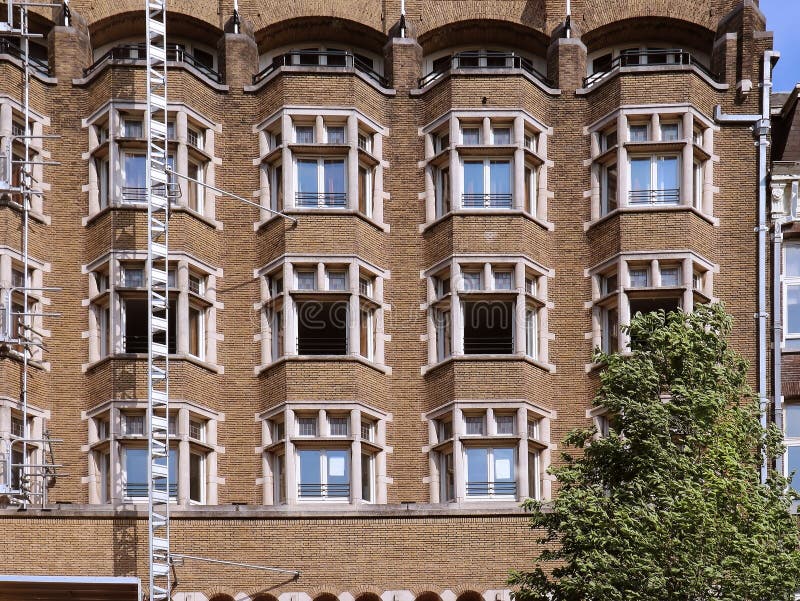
x=493, y=450
x=119, y=459
x=498, y=163
x=642, y=283
x=330, y=310
x=321, y=159
x=322, y=452
x=643, y=158
x=499, y=309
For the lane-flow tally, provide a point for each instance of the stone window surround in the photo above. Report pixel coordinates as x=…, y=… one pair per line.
x=36, y=427
x=451, y=157
x=113, y=412
x=618, y=119
x=619, y=264
x=287, y=266
x=111, y=264
x=11, y=259
x=270, y=156
x=288, y=411
x=524, y=412
x=519, y=264
x=111, y=117
x=11, y=111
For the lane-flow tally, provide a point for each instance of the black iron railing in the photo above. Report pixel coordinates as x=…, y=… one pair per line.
x=11, y=48
x=323, y=491
x=483, y=60
x=484, y=489
x=649, y=58
x=323, y=200
x=343, y=59
x=485, y=345
x=138, y=344
x=654, y=197
x=486, y=201
x=175, y=53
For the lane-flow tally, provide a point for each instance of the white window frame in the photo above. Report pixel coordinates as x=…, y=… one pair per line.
x=487, y=179
x=325, y=497
x=320, y=160
x=653, y=191
x=789, y=281
x=491, y=476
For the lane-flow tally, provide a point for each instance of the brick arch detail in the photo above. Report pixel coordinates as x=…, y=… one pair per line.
x=97, y=11
x=440, y=13
x=589, y=15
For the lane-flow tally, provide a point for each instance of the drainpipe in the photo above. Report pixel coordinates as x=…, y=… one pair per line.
x=761, y=128
x=402, y=18
x=568, y=21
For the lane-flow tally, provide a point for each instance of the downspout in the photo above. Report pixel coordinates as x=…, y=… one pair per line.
x=568, y=21
x=761, y=129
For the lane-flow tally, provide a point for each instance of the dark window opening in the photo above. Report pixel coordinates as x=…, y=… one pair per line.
x=136, y=335
x=488, y=328
x=648, y=305
x=602, y=63
x=322, y=328
x=204, y=58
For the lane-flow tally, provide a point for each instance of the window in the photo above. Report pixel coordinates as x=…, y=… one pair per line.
x=197, y=478
x=608, y=188
x=640, y=277
x=306, y=426
x=490, y=472
x=367, y=333
x=276, y=187
x=321, y=183
x=335, y=134
x=608, y=139
x=197, y=430
x=365, y=141
x=441, y=141
x=134, y=425
x=444, y=335
x=698, y=179
x=608, y=284
x=323, y=474
x=133, y=128
x=365, y=190
x=531, y=189
x=670, y=277
x=134, y=176
x=503, y=280
x=610, y=329
x=531, y=333
x=366, y=286
x=368, y=478
x=304, y=134
x=472, y=280
x=487, y=184
x=101, y=167
x=447, y=477
x=655, y=180
x=136, y=469
x=306, y=280
x=471, y=136
x=488, y=327
x=505, y=424
x=339, y=426
x=639, y=132
x=337, y=280
x=475, y=425
x=670, y=132
x=442, y=190
x=791, y=292
x=196, y=191
x=194, y=138
x=501, y=135
x=368, y=430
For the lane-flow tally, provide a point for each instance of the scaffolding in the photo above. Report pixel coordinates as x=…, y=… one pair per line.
x=27, y=461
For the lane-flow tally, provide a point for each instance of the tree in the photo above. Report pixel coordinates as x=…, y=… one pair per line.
x=669, y=505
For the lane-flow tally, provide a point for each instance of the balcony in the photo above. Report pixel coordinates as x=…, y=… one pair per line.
x=491, y=489
x=323, y=491
x=486, y=201
x=11, y=48
x=480, y=61
x=337, y=60
x=321, y=200
x=668, y=197
x=138, y=52
x=649, y=58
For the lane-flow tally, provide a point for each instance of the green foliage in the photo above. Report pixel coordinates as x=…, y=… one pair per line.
x=669, y=506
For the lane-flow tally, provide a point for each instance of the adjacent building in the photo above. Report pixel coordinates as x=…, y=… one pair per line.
x=370, y=372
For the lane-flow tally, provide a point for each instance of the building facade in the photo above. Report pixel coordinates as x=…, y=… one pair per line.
x=373, y=370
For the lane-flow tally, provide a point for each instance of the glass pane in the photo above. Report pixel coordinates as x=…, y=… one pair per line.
x=136, y=470
x=473, y=177
x=793, y=465
x=670, y=132
x=366, y=478
x=504, y=466
x=793, y=309
x=477, y=471
x=502, y=135
x=792, y=260
x=135, y=170
x=640, y=174
x=310, y=473
x=670, y=276
x=667, y=173
x=791, y=416
x=471, y=135
x=334, y=176
x=196, y=478
x=639, y=133
x=338, y=473
x=500, y=177
x=307, y=177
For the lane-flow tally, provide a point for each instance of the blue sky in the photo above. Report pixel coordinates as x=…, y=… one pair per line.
x=783, y=18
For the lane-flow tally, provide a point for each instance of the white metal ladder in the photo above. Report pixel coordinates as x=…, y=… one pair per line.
x=158, y=302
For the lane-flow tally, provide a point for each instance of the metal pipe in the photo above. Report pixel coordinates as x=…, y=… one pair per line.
x=224, y=193
x=295, y=573
x=235, y=16
x=402, y=18
x=568, y=20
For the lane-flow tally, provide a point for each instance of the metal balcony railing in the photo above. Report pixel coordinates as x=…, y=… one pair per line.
x=175, y=53
x=138, y=344
x=485, y=60
x=11, y=47
x=139, y=489
x=489, y=489
x=654, y=197
x=321, y=200
x=137, y=195
x=343, y=59
x=650, y=58
x=486, y=201
x=315, y=490
x=489, y=346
